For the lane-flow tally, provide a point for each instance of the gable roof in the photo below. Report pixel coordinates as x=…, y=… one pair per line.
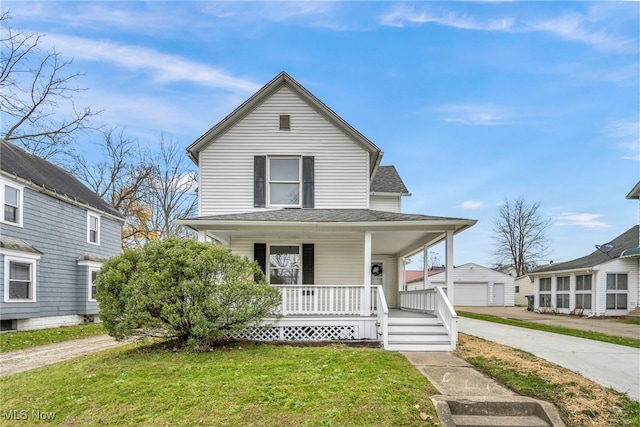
x=635, y=192
x=387, y=180
x=627, y=240
x=47, y=176
x=283, y=79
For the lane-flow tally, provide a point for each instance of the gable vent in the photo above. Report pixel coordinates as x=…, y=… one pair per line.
x=285, y=122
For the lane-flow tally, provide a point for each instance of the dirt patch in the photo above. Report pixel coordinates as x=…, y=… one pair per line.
x=580, y=401
x=23, y=360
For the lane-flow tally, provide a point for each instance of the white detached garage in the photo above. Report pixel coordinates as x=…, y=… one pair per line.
x=476, y=285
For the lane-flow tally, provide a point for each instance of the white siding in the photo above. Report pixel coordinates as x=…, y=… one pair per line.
x=618, y=266
x=226, y=165
x=390, y=279
x=385, y=203
x=526, y=288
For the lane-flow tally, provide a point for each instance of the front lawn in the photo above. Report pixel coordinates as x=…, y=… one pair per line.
x=12, y=341
x=243, y=384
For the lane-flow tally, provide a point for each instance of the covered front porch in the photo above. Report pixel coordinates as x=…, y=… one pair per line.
x=341, y=273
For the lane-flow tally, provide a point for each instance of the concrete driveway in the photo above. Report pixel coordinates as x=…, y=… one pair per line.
x=611, y=365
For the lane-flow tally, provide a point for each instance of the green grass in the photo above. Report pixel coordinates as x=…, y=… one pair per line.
x=597, y=336
x=247, y=384
x=11, y=341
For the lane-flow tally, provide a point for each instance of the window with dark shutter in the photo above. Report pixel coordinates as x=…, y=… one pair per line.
x=285, y=122
x=259, y=181
x=308, y=255
x=308, y=177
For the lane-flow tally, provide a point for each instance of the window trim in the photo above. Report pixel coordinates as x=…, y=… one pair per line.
x=19, y=208
x=269, y=181
x=562, y=295
x=24, y=258
x=616, y=291
x=546, y=293
x=300, y=262
x=91, y=215
x=91, y=266
x=584, y=292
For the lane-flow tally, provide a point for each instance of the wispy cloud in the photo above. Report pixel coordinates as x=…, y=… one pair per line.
x=472, y=204
x=587, y=220
x=627, y=133
x=472, y=114
x=574, y=27
x=164, y=68
x=577, y=28
x=403, y=15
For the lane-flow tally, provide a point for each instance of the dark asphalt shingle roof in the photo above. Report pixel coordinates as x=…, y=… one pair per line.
x=627, y=240
x=387, y=180
x=42, y=173
x=322, y=215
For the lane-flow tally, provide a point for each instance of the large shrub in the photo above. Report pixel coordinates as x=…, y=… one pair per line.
x=182, y=289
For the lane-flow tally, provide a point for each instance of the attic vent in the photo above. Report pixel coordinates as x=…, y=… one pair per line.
x=285, y=122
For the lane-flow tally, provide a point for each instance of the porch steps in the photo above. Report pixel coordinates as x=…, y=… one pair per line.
x=412, y=333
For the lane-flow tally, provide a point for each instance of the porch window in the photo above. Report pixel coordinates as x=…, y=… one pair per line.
x=583, y=291
x=284, y=265
x=545, y=292
x=562, y=292
x=617, y=289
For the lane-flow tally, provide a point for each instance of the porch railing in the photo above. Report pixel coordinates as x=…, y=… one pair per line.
x=433, y=301
x=322, y=299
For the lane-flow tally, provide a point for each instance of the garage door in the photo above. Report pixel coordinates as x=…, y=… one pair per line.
x=474, y=294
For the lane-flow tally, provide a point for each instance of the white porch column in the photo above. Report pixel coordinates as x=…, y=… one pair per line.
x=425, y=266
x=366, y=298
x=449, y=267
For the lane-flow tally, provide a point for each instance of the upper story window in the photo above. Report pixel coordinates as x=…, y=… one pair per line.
x=93, y=228
x=284, y=181
x=12, y=204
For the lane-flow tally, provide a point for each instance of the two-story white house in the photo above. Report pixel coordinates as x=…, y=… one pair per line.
x=285, y=181
x=55, y=233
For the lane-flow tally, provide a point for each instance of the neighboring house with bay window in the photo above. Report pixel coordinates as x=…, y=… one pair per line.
x=603, y=283
x=55, y=234
x=285, y=181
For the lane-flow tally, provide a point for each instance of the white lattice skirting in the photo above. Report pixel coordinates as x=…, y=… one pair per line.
x=300, y=333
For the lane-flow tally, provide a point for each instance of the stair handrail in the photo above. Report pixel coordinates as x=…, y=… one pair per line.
x=383, y=316
x=448, y=315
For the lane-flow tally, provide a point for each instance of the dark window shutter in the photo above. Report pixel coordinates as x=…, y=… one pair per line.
x=308, y=176
x=260, y=255
x=308, y=254
x=259, y=181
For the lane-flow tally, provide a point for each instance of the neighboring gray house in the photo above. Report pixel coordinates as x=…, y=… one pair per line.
x=603, y=283
x=55, y=234
x=285, y=181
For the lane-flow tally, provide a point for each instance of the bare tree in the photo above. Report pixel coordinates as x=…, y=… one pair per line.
x=34, y=88
x=171, y=191
x=520, y=235
x=120, y=178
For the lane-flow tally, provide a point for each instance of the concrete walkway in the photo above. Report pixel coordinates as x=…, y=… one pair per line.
x=611, y=365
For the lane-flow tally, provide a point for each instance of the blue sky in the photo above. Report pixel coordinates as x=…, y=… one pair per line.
x=472, y=102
